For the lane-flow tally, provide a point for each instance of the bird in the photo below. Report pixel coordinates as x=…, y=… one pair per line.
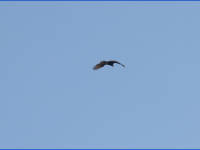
x=103, y=63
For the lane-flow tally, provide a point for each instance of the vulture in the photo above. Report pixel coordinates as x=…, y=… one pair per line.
x=103, y=63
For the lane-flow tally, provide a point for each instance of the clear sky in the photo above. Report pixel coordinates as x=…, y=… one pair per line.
x=51, y=98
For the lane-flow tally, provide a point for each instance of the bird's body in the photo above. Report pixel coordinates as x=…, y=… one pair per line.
x=103, y=63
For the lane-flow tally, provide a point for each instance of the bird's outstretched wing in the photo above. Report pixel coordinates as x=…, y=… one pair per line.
x=114, y=61
x=100, y=65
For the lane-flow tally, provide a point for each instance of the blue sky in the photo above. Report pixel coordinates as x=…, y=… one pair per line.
x=51, y=98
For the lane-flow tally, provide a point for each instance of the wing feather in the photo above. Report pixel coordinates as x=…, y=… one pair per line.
x=114, y=61
x=100, y=65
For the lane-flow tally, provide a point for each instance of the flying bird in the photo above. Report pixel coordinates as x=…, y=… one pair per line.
x=103, y=63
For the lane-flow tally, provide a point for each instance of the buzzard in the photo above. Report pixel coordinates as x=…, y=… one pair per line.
x=103, y=63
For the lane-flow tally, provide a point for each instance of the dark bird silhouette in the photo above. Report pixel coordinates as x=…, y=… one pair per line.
x=103, y=63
